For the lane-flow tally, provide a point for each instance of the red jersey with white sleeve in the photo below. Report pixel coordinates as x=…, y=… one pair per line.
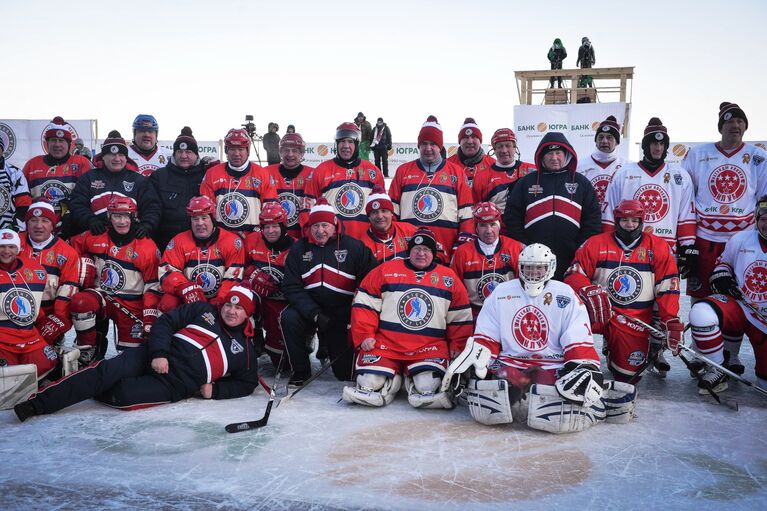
x=259, y=255
x=634, y=279
x=726, y=185
x=440, y=201
x=347, y=191
x=54, y=182
x=600, y=174
x=147, y=164
x=21, y=296
x=482, y=273
x=492, y=184
x=745, y=257
x=216, y=264
x=667, y=196
x=412, y=314
x=62, y=264
x=238, y=195
x=391, y=246
x=291, y=194
x=544, y=331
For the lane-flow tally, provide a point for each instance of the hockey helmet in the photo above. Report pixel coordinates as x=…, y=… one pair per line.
x=293, y=140
x=199, y=206
x=273, y=213
x=237, y=137
x=122, y=204
x=628, y=208
x=485, y=212
x=503, y=135
x=348, y=130
x=537, y=264
x=145, y=122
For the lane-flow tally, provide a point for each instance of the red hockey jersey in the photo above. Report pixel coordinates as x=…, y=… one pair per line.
x=392, y=247
x=54, y=183
x=291, y=193
x=21, y=296
x=62, y=263
x=259, y=255
x=471, y=172
x=492, y=184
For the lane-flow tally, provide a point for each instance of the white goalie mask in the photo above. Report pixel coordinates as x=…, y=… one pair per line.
x=536, y=267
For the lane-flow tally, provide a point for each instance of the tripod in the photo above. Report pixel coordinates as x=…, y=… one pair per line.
x=250, y=129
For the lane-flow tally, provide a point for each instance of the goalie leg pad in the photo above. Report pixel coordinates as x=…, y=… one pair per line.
x=548, y=411
x=619, y=401
x=422, y=392
x=69, y=360
x=373, y=390
x=17, y=383
x=489, y=401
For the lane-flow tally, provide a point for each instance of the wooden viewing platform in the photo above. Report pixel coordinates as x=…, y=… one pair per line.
x=605, y=79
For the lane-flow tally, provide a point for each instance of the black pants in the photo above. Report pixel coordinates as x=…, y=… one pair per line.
x=297, y=332
x=125, y=381
x=382, y=160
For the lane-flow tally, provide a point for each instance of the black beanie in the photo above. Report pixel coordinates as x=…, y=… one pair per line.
x=186, y=141
x=113, y=144
x=729, y=110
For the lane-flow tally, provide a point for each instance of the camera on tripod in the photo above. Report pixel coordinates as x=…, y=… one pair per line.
x=250, y=127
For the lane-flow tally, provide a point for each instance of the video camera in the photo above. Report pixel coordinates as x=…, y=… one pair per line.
x=250, y=127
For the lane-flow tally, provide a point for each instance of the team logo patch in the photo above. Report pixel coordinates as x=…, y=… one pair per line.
x=20, y=306
x=307, y=256
x=114, y=149
x=54, y=192
x=209, y=318
x=505, y=257
x=427, y=205
x=372, y=174
x=50, y=353
x=171, y=244
x=112, y=277
x=341, y=255
x=758, y=160
x=5, y=200
x=367, y=358
x=40, y=274
x=97, y=184
x=678, y=179
x=208, y=277
x=655, y=201
x=488, y=283
x=600, y=184
x=236, y=347
x=624, y=284
x=448, y=281
x=349, y=200
x=128, y=186
x=233, y=209
x=755, y=281
x=237, y=244
x=605, y=128
x=9, y=140
x=727, y=183
x=530, y=328
x=415, y=309
x=562, y=301
x=636, y=358
x=291, y=203
x=183, y=146
x=571, y=187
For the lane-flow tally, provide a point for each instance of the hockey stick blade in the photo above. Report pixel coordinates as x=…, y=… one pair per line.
x=313, y=377
x=237, y=427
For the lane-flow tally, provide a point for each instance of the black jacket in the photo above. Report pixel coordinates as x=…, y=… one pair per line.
x=385, y=143
x=558, y=209
x=174, y=187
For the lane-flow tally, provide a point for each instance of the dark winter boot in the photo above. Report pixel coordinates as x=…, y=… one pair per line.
x=25, y=410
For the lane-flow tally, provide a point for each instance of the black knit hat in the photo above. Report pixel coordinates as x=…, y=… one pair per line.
x=609, y=125
x=655, y=132
x=729, y=110
x=186, y=141
x=423, y=236
x=113, y=144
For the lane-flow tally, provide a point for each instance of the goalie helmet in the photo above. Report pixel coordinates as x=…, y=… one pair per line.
x=536, y=267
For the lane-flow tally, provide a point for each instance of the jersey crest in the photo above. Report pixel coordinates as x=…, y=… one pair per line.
x=530, y=328
x=655, y=200
x=415, y=309
x=624, y=284
x=233, y=209
x=20, y=306
x=291, y=203
x=349, y=200
x=5, y=200
x=208, y=277
x=755, y=281
x=112, y=277
x=427, y=204
x=488, y=283
x=727, y=183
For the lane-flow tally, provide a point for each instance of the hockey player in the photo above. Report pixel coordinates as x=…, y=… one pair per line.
x=144, y=149
x=95, y=190
x=728, y=176
x=238, y=187
x=322, y=272
x=493, y=184
x=61, y=263
x=386, y=237
x=127, y=291
x=409, y=317
x=470, y=156
x=628, y=271
x=202, y=263
x=604, y=162
x=345, y=181
x=289, y=177
x=53, y=176
x=265, y=253
x=488, y=260
x=194, y=349
x=534, y=330
x=433, y=192
x=15, y=197
x=554, y=205
x=739, y=305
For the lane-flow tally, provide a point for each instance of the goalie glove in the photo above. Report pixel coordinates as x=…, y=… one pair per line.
x=674, y=330
x=724, y=283
x=190, y=292
x=86, y=278
x=580, y=382
x=52, y=328
x=473, y=355
x=263, y=283
x=598, y=305
x=688, y=260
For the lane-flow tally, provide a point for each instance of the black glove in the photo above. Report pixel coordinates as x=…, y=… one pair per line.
x=323, y=322
x=97, y=225
x=143, y=230
x=724, y=283
x=688, y=260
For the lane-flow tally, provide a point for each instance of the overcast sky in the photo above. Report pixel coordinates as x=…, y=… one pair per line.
x=316, y=64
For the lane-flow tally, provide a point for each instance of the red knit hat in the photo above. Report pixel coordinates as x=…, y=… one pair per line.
x=503, y=135
x=609, y=125
x=58, y=128
x=42, y=209
x=469, y=128
x=322, y=211
x=378, y=199
x=431, y=131
x=243, y=297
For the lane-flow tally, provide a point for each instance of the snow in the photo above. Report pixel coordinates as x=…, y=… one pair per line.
x=683, y=451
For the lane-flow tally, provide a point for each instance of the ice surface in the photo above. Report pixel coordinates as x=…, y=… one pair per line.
x=682, y=452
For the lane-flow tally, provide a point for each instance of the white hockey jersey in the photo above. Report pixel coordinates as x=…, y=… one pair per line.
x=543, y=331
x=746, y=259
x=726, y=188
x=158, y=159
x=600, y=176
x=667, y=196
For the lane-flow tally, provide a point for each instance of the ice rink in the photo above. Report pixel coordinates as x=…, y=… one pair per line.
x=682, y=451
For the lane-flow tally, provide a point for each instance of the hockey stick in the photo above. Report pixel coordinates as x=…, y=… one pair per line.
x=704, y=359
x=122, y=308
x=648, y=363
x=753, y=308
x=313, y=377
x=237, y=427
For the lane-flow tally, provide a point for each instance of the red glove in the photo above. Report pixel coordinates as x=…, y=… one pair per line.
x=87, y=276
x=598, y=304
x=150, y=316
x=674, y=331
x=263, y=284
x=190, y=293
x=52, y=328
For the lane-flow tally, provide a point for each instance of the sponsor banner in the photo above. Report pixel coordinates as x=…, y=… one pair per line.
x=23, y=138
x=578, y=122
x=678, y=150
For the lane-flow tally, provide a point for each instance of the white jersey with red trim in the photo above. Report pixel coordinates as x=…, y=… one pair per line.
x=147, y=164
x=543, y=331
x=726, y=185
x=745, y=256
x=667, y=196
x=600, y=175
